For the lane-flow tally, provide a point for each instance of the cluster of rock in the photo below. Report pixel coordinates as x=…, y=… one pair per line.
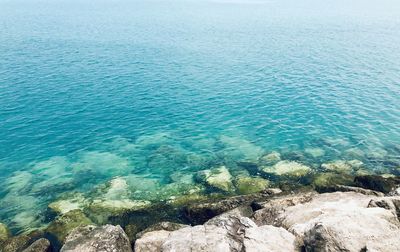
x=348, y=219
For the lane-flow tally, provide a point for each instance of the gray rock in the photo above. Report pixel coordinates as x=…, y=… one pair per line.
x=97, y=239
x=41, y=245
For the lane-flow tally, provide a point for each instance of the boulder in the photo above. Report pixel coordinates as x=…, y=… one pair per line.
x=41, y=245
x=341, y=221
x=64, y=224
x=95, y=239
x=219, y=178
x=269, y=238
x=342, y=166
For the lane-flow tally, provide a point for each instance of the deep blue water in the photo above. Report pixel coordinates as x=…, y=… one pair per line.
x=90, y=90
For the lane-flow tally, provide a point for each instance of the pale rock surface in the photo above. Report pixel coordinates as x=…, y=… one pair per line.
x=269, y=238
x=342, y=222
x=97, y=239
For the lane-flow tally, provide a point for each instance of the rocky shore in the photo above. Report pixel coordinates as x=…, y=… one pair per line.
x=326, y=217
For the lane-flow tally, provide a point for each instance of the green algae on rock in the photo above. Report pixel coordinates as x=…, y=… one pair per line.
x=4, y=232
x=247, y=185
x=328, y=182
x=64, y=224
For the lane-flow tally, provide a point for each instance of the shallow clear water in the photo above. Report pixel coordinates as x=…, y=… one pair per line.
x=156, y=90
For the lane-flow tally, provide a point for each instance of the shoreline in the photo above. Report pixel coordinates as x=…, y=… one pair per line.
x=196, y=212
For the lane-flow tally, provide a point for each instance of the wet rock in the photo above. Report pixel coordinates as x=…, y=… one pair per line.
x=4, y=232
x=41, y=245
x=270, y=158
x=377, y=183
x=329, y=181
x=269, y=238
x=94, y=239
x=187, y=199
x=219, y=178
x=247, y=185
x=288, y=168
x=64, y=224
x=113, y=201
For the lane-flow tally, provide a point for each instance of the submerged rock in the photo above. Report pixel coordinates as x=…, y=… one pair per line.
x=94, y=239
x=64, y=224
x=219, y=178
x=4, y=232
x=237, y=148
x=337, y=166
x=103, y=210
x=315, y=152
x=247, y=185
x=62, y=206
x=270, y=158
x=288, y=168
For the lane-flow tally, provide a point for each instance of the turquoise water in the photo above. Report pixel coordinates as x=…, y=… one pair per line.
x=154, y=91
